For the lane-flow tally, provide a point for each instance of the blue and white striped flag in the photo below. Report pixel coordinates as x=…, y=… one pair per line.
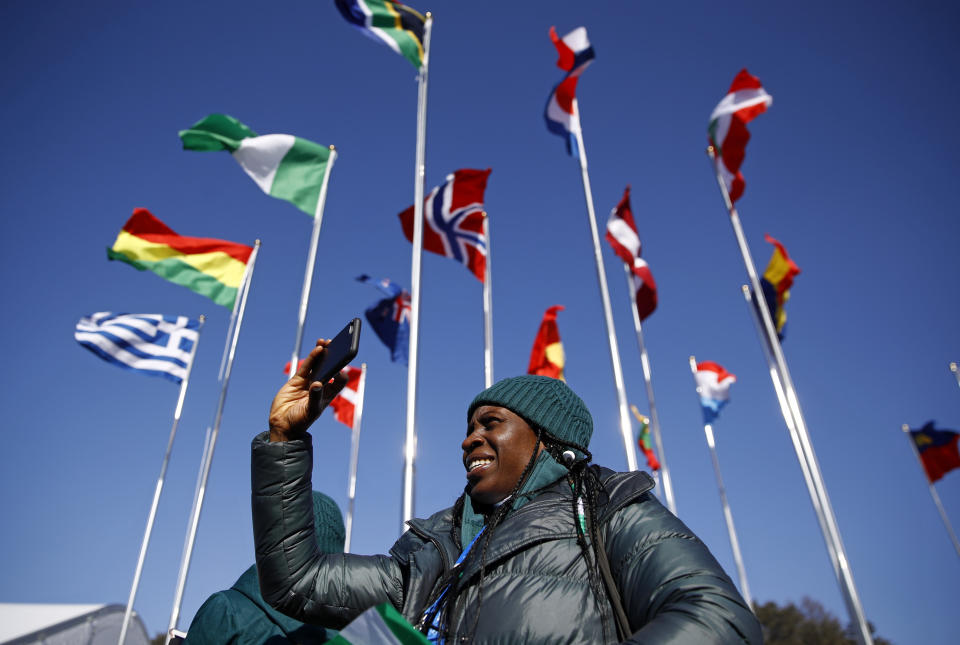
x=150, y=343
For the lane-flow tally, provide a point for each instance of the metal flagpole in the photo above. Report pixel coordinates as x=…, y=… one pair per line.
x=954, y=369
x=311, y=262
x=828, y=522
x=654, y=420
x=354, y=454
x=933, y=490
x=625, y=429
x=410, y=440
x=159, y=488
x=727, y=514
x=208, y=453
x=487, y=311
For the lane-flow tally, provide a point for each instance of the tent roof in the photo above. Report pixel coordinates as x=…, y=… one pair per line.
x=19, y=619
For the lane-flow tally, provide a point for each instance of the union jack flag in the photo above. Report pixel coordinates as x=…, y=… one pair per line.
x=390, y=317
x=453, y=220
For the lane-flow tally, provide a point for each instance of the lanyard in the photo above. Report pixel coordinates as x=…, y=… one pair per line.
x=432, y=614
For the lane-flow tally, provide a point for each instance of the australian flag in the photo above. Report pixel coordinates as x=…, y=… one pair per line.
x=390, y=317
x=453, y=220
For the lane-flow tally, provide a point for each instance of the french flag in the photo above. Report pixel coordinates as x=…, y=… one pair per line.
x=713, y=386
x=575, y=53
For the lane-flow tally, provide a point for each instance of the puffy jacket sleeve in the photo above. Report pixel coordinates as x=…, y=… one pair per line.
x=295, y=577
x=672, y=588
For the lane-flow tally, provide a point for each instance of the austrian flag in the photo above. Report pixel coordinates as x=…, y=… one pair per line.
x=623, y=237
x=728, y=132
x=454, y=220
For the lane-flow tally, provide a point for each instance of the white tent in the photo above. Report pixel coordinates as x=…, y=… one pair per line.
x=25, y=624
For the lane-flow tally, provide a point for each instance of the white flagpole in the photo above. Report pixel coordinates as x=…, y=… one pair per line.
x=826, y=517
x=956, y=371
x=933, y=490
x=625, y=429
x=208, y=452
x=151, y=516
x=311, y=263
x=410, y=439
x=354, y=455
x=648, y=379
x=727, y=514
x=487, y=311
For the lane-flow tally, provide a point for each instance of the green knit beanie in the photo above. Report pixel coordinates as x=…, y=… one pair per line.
x=543, y=402
x=328, y=524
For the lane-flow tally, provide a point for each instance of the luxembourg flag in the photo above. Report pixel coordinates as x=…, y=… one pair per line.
x=575, y=54
x=728, y=132
x=713, y=386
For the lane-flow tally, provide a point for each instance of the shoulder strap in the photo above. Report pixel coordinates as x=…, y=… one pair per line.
x=600, y=551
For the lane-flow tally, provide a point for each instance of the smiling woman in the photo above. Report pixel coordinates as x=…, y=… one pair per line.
x=541, y=547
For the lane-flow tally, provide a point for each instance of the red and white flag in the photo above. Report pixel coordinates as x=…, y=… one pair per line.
x=623, y=237
x=728, y=132
x=453, y=220
x=345, y=403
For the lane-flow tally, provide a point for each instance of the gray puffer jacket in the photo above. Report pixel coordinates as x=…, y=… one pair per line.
x=536, y=587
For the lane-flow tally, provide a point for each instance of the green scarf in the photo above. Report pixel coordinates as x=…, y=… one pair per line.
x=545, y=471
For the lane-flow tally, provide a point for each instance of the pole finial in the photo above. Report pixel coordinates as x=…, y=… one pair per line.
x=953, y=367
x=905, y=427
x=332, y=147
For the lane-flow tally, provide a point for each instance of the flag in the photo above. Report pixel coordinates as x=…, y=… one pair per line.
x=150, y=343
x=284, y=166
x=713, y=386
x=938, y=450
x=212, y=268
x=546, y=357
x=453, y=220
x=394, y=24
x=645, y=445
x=776, y=282
x=390, y=318
x=380, y=625
x=344, y=403
x=623, y=237
x=728, y=132
x=575, y=54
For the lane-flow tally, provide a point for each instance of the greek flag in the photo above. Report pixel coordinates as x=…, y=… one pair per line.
x=150, y=343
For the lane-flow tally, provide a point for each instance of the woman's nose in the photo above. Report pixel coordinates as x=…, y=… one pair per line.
x=472, y=440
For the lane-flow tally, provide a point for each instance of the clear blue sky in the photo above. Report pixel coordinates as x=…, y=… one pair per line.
x=854, y=168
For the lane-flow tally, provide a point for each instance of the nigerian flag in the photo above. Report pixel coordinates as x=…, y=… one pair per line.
x=284, y=166
x=380, y=625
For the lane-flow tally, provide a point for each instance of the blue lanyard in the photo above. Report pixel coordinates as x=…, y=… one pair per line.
x=434, y=611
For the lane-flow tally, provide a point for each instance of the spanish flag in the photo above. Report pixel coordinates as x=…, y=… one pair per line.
x=212, y=268
x=546, y=358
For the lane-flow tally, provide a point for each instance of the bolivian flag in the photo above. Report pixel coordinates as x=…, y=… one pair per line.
x=212, y=268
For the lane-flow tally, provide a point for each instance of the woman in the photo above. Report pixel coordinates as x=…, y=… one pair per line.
x=540, y=548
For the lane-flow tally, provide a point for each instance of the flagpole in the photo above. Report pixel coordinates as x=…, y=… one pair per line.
x=208, y=453
x=410, y=439
x=727, y=514
x=625, y=429
x=933, y=490
x=828, y=522
x=151, y=516
x=648, y=379
x=354, y=455
x=311, y=263
x=487, y=310
x=954, y=369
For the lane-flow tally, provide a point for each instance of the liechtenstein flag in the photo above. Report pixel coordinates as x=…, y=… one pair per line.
x=713, y=386
x=575, y=53
x=390, y=317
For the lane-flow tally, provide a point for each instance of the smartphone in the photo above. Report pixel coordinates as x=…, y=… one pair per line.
x=341, y=350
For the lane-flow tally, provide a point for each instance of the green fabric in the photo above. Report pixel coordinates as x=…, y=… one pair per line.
x=179, y=272
x=215, y=132
x=543, y=402
x=545, y=471
x=300, y=175
x=328, y=524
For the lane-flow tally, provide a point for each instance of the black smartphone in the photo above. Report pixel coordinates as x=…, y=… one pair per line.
x=341, y=350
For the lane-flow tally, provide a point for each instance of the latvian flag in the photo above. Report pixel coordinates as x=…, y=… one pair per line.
x=345, y=403
x=622, y=235
x=453, y=220
x=727, y=131
x=713, y=386
x=575, y=53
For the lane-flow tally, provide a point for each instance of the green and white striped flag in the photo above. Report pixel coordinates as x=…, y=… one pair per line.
x=284, y=166
x=380, y=625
